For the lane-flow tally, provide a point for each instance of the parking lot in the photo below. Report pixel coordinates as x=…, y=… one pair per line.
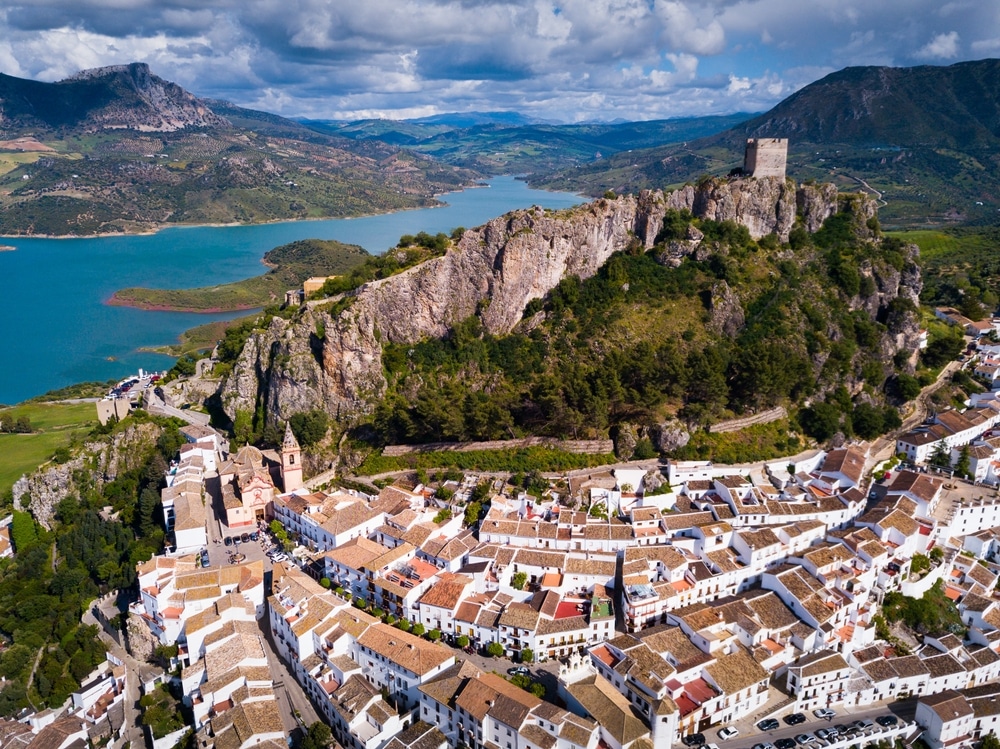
x=815, y=732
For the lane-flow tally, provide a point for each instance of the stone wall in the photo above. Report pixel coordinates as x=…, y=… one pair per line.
x=584, y=447
x=764, y=417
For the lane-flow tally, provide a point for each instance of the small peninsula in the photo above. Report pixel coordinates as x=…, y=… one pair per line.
x=290, y=265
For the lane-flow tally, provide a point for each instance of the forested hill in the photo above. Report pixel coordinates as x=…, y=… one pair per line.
x=620, y=315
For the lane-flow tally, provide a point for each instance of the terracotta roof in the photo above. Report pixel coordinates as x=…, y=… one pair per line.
x=611, y=709
x=412, y=653
x=736, y=672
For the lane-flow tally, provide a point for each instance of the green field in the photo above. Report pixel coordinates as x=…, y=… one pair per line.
x=55, y=424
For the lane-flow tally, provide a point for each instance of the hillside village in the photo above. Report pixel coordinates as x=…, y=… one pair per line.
x=654, y=604
x=643, y=606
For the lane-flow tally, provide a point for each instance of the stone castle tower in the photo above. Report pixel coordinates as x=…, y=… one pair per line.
x=291, y=461
x=765, y=157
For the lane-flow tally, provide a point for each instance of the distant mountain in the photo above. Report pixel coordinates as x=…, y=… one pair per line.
x=925, y=138
x=122, y=96
x=498, y=142
x=950, y=107
x=121, y=150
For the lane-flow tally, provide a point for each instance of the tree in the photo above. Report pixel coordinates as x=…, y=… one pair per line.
x=920, y=563
x=434, y=635
x=963, y=466
x=310, y=427
x=537, y=689
x=418, y=629
x=990, y=741
x=22, y=531
x=518, y=580
x=527, y=655
x=462, y=641
x=940, y=456
x=317, y=736
x=494, y=649
x=472, y=512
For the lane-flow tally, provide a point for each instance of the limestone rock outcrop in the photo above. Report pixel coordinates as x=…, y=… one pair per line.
x=330, y=356
x=102, y=462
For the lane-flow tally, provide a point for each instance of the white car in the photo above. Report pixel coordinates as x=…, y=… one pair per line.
x=728, y=733
x=279, y=558
x=825, y=712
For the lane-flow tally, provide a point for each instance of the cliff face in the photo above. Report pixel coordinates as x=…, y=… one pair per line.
x=102, y=462
x=335, y=363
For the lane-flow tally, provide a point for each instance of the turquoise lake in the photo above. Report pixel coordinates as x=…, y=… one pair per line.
x=57, y=329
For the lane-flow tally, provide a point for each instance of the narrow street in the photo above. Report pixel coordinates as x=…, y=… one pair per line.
x=136, y=672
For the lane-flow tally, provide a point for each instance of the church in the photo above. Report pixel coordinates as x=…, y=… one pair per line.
x=248, y=486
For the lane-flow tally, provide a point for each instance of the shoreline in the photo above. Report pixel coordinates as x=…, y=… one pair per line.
x=157, y=228
x=115, y=301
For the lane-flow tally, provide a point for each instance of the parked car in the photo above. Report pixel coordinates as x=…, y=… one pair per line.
x=245, y=537
x=824, y=734
x=805, y=738
x=843, y=730
x=254, y=536
x=785, y=744
x=694, y=739
x=768, y=724
x=764, y=745
x=795, y=719
x=518, y=670
x=825, y=712
x=229, y=540
x=887, y=720
x=863, y=725
x=729, y=732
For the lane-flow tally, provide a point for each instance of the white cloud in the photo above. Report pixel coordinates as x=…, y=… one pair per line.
x=942, y=47
x=560, y=59
x=986, y=46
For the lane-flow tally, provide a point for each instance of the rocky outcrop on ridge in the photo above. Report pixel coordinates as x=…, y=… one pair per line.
x=334, y=363
x=101, y=462
x=109, y=98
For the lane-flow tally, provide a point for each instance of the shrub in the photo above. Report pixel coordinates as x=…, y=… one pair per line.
x=418, y=629
x=527, y=655
x=462, y=641
x=434, y=635
x=518, y=580
x=494, y=649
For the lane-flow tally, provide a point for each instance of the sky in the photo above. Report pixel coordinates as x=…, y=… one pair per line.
x=557, y=60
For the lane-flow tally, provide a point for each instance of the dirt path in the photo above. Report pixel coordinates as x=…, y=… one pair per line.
x=882, y=449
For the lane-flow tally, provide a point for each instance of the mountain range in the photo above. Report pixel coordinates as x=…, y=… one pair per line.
x=119, y=149
x=925, y=139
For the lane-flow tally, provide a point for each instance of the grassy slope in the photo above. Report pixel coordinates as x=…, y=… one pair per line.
x=293, y=263
x=56, y=425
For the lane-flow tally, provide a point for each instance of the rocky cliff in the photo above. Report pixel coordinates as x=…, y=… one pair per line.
x=334, y=362
x=96, y=464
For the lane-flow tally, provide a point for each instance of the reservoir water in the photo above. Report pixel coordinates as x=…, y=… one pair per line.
x=57, y=330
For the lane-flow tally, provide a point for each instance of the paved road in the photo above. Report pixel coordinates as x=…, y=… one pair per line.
x=291, y=697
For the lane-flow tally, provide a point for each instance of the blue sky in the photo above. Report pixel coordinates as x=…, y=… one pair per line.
x=564, y=60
